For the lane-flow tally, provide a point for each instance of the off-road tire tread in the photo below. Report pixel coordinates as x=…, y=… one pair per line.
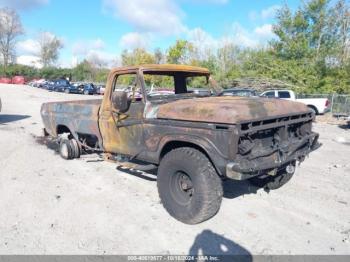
x=211, y=191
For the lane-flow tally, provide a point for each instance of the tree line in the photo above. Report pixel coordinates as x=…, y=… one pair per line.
x=310, y=53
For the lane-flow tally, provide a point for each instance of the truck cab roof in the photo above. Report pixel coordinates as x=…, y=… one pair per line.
x=164, y=68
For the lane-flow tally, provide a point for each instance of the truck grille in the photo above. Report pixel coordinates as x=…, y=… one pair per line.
x=254, y=126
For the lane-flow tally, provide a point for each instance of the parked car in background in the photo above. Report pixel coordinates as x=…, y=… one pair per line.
x=37, y=83
x=318, y=105
x=48, y=85
x=101, y=89
x=198, y=91
x=62, y=85
x=84, y=88
x=5, y=80
x=88, y=89
x=41, y=82
x=69, y=89
x=18, y=80
x=239, y=92
x=32, y=84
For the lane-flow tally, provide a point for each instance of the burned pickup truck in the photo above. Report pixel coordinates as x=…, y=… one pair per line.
x=195, y=139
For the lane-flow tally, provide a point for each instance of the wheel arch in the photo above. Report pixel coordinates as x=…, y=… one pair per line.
x=313, y=108
x=176, y=143
x=61, y=129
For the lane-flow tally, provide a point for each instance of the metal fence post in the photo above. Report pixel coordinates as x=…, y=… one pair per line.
x=332, y=103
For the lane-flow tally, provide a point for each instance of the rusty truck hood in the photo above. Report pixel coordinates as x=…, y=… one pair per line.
x=228, y=110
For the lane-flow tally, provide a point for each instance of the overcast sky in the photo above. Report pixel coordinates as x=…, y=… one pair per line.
x=103, y=28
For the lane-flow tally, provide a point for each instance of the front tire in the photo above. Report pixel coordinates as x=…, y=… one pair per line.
x=189, y=186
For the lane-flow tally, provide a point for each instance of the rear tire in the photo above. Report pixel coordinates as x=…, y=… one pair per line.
x=76, y=148
x=189, y=186
x=66, y=149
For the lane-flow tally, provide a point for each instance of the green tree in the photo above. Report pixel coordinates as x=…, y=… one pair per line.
x=292, y=32
x=180, y=53
x=138, y=56
x=84, y=71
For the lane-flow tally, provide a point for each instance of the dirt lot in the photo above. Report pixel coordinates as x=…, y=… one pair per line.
x=86, y=206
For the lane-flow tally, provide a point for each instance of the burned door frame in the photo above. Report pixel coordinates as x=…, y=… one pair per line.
x=122, y=132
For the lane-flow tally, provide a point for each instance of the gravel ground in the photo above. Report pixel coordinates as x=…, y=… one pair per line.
x=87, y=206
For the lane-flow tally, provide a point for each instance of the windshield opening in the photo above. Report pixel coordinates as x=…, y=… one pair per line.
x=173, y=84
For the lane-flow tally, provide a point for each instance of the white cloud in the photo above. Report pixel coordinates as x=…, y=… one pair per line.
x=134, y=40
x=98, y=44
x=242, y=37
x=264, y=31
x=23, y=4
x=27, y=47
x=269, y=12
x=252, y=39
x=238, y=36
x=212, y=1
x=93, y=51
x=101, y=58
x=264, y=14
x=29, y=60
x=48, y=36
x=204, y=42
x=152, y=16
x=82, y=47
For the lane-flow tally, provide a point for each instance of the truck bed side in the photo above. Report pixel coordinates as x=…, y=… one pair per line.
x=80, y=117
x=319, y=103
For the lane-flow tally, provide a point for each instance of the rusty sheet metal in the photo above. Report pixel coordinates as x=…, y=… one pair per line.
x=122, y=132
x=149, y=129
x=79, y=116
x=163, y=67
x=228, y=110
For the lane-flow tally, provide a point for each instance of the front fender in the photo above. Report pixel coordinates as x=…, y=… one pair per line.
x=218, y=159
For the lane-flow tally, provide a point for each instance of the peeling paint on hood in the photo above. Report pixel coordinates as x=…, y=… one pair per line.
x=228, y=110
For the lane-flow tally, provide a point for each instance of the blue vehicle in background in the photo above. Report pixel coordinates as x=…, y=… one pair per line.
x=86, y=88
x=59, y=85
x=64, y=86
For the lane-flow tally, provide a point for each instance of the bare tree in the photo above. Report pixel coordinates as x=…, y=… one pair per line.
x=49, y=45
x=96, y=60
x=343, y=11
x=10, y=29
x=158, y=56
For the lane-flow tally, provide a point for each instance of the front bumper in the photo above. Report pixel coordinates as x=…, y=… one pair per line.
x=275, y=159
